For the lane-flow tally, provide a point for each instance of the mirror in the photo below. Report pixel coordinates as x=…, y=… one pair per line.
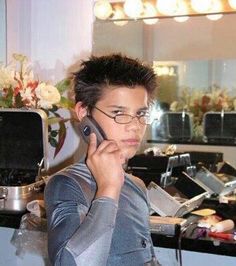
x=2, y=31
x=196, y=66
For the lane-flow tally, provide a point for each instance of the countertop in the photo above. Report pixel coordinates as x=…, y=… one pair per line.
x=192, y=242
x=189, y=241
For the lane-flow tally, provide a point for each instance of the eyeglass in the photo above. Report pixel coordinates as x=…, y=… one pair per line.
x=144, y=119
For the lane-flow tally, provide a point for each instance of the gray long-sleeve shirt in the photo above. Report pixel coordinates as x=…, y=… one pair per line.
x=96, y=232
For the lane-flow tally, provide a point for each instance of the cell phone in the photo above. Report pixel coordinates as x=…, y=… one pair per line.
x=89, y=125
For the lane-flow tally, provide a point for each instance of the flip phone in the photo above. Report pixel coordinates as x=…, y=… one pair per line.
x=87, y=126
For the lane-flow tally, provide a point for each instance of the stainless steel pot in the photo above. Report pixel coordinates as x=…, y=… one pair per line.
x=15, y=198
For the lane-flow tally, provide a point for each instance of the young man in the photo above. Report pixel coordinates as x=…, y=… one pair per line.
x=97, y=214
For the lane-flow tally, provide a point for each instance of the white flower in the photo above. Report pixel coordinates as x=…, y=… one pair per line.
x=47, y=95
x=7, y=78
x=26, y=94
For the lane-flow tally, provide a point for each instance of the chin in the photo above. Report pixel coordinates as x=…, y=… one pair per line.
x=128, y=153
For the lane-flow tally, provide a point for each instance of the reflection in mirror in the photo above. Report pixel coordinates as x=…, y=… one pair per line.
x=2, y=31
x=195, y=62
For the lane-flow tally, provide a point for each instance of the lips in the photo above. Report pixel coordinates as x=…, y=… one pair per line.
x=131, y=142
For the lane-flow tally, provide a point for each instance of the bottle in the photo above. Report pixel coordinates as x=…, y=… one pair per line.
x=223, y=226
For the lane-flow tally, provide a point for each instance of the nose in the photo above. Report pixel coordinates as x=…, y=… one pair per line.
x=134, y=124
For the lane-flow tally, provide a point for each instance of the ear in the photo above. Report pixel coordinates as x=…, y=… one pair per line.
x=80, y=110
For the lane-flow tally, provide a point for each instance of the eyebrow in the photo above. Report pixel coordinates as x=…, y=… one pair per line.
x=120, y=107
x=123, y=108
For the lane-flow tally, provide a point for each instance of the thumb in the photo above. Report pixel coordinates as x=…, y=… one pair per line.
x=92, y=145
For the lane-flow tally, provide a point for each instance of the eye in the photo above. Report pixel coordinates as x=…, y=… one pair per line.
x=143, y=113
x=117, y=112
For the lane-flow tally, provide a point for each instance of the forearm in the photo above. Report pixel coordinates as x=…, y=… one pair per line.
x=75, y=221
x=93, y=237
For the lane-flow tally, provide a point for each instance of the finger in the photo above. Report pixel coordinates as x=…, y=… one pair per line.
x=92, y=146
x=108, y=146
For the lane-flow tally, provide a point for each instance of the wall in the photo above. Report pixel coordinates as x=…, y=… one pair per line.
x=128, y=39
x=2, y=31
x=54, y=34
x=197, y=38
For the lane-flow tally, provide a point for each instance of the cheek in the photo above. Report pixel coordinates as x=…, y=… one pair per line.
x=113, y=131
x=108, y=126
x=118, y=132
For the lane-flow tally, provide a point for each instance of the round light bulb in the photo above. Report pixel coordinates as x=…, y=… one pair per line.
x=181, y=19
x=149, y=11
x=165, y=70
x=201, y=6
x=216, y=7
x=182, y=9
x=151, y=21
x=215, y=17
x=167, y=7
x=232, y=3
x=119, y=14
x=133, y=8
x=102, y=9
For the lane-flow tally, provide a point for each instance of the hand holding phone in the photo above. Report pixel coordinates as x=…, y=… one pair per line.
x=87, y=126
x=109, y=179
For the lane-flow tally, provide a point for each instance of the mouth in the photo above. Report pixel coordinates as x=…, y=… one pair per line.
x=131, y=142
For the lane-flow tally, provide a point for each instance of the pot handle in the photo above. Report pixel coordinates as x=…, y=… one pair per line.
x=40, y=183
x=3, y=193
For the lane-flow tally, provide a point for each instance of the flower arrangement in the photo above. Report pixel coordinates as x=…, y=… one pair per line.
x=19, y=88
x=198, y=102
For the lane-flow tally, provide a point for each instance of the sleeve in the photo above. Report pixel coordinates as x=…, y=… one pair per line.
x=76, y=231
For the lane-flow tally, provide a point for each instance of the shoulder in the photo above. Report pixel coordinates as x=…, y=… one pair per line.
x=74, y=179
x=76, y=173
x=138, y=182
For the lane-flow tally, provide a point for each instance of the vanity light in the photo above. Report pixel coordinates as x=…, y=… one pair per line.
x=133, y=8
x=150, y=11
x=102, y=9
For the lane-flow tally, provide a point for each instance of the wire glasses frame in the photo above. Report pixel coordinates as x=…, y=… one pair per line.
x=126, y=118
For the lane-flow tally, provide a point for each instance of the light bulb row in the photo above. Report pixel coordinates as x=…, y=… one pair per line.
x=150, y=11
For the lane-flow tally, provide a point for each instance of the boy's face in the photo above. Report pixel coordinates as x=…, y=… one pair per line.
x=123, y=100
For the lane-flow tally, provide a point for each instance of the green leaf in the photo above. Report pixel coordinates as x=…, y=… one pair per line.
x=53, y=109
x=54, y=120
x=63, y=85
x=4, y=103
x=53, y=142
x=18, y=101
x=66, y=103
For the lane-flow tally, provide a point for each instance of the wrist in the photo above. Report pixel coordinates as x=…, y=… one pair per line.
x=109, y=191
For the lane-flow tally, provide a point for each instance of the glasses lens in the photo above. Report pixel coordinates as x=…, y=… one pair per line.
x=123, y=119
x=145, y=120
